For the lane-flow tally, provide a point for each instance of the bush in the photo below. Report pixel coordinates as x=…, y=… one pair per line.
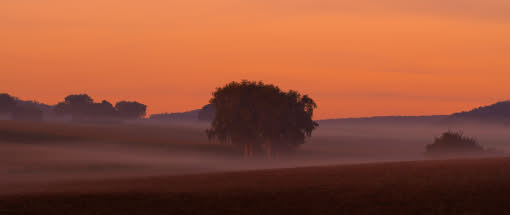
x=454, y=142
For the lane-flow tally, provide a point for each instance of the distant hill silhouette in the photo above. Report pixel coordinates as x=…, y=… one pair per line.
x=387, y=119
x=495, y=113
x=188, y=115
x=207, y=113
x=498, y=113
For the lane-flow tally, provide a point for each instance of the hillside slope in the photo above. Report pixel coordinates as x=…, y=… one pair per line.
x=477, y=186
x=498, y=112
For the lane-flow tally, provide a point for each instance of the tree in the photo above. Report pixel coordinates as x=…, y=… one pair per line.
x=78, y=99
x=78, y=105
x=7, y=103
x=104, y=109
x=453, y=142
x=254, y=114
x=131, y=110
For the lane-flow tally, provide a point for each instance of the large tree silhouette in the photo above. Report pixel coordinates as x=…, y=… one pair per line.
x=258, y=115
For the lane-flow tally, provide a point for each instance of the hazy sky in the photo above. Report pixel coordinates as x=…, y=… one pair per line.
x=355, y=58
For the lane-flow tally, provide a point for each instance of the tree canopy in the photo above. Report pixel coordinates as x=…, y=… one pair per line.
x=259, y=115
x=78, y=99
x=78, y=105
x=453, y=142
x=82, y=106
x=133, y=110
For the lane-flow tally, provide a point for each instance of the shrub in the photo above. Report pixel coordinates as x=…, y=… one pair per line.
x=454, y=142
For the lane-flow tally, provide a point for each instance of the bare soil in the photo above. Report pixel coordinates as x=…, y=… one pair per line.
x=458, y=186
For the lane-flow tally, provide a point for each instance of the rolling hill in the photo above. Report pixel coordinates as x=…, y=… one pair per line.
x=494, y=113
x=498, y=112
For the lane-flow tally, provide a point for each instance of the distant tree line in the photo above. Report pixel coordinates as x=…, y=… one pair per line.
x=259, y=116
x=78, y=106
x=82, y=106
x=10, y=105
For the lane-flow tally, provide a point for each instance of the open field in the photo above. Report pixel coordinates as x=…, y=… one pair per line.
x=63, y=168
x=29, y=132
x=471, y=186
x=47, y=151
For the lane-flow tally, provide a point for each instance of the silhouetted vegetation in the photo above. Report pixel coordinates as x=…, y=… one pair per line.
x=207, y=113
x=76, y=105
x=256, y=115
x=131, y=110
x=27, y=112
x=10, y=105
x=454, y=142
x=104, y=109
x=7, y=103
x=82, y=107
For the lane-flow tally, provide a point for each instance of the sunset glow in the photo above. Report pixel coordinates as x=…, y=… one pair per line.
x=355, y=58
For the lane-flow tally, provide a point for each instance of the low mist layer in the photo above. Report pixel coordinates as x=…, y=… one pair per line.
x=44, y=152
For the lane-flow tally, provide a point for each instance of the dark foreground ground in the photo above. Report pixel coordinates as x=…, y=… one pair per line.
x=469, y=186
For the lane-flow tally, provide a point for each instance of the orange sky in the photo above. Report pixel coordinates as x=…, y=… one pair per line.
x=355, y=58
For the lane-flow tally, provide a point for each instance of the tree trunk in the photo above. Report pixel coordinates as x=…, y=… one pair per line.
x=246, y=151
x=268, y=148
x=251, y=150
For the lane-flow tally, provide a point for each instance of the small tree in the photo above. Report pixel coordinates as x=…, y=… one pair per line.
x=454, y=142
x=131, y=110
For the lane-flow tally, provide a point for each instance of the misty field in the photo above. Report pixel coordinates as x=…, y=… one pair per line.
x=475, y=186
x=150, y=168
